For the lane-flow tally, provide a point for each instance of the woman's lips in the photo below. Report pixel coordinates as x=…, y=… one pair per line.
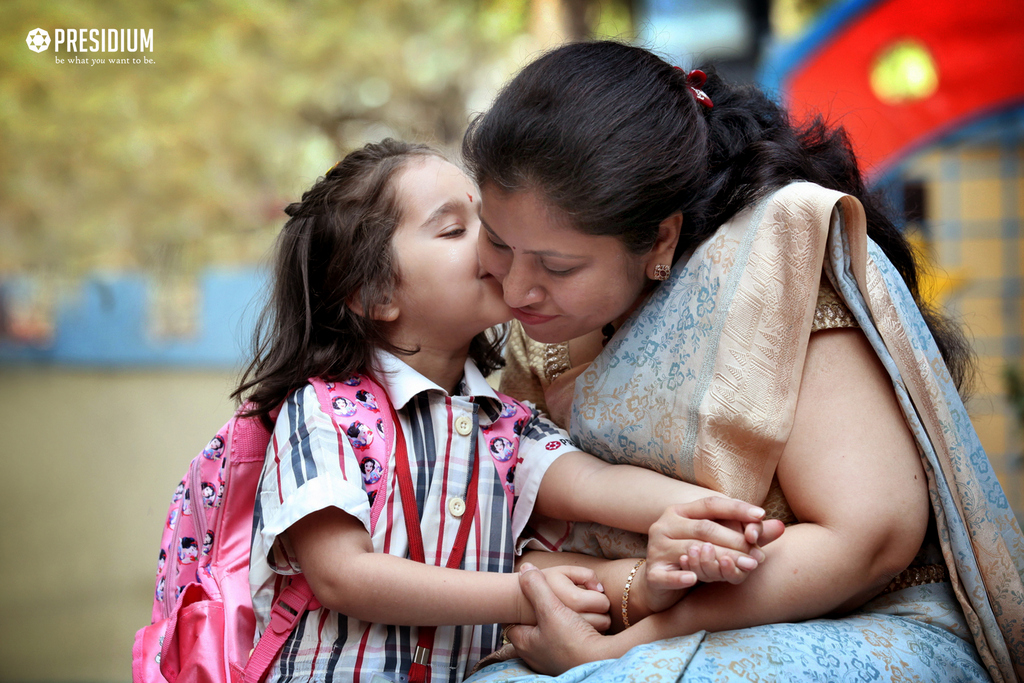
x=528, y=318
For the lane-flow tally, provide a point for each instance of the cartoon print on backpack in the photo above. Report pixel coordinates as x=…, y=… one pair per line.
x=209, y=494
x=501, y=448
x=360, y=435
x=380, y=426
x=178, y=492
x=172, y=519
x=188, y=552
x=508, y=409
x=517, y=428
x=343, y=406
x=215, y=448
x=353, y=381
x=186, y=503
x=367, y=400
x=208, y=543
x=160, y=589
x=371, y=471
x=510, y=479
x=162, y=562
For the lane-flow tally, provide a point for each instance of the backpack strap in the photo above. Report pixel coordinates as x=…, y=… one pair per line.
x=289, y=607
x=364, y=405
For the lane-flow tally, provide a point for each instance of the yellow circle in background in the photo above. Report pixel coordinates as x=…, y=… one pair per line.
x=904, y=72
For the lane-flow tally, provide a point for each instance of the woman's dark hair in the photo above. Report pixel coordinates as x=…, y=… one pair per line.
x=611, y=135
x=335, y=248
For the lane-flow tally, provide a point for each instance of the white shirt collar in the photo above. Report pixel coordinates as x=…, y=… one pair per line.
x=402, y=382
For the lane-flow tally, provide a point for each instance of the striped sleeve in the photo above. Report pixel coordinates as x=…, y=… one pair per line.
x=309, y=467
x=540, y=444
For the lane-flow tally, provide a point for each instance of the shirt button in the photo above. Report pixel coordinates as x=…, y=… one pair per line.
x=463, y=425
x=456, y=506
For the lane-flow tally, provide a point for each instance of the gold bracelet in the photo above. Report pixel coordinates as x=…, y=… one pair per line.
x=625, y=593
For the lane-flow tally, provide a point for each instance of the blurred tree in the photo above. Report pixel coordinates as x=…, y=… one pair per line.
x=187, y=161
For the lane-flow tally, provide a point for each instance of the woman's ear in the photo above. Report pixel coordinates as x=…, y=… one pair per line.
x=659, y=258
x=382, y=312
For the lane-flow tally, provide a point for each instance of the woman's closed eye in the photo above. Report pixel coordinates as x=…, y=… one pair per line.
x=558, y=270
x=494, y=241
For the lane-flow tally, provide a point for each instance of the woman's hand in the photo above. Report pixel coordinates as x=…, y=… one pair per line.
x=708, y=540
x=577, y=589
x=561, y=639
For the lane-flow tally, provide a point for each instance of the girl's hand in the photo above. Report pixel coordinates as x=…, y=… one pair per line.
x=562, y=638
x=711, y=539
x=576, y=588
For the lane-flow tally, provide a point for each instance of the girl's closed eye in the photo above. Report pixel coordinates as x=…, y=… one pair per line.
x=453, y=231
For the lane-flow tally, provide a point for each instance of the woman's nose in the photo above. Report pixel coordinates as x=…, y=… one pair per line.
x=519, y=288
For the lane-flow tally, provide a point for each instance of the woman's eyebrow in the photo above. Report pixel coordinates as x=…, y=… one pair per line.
x=535, y=252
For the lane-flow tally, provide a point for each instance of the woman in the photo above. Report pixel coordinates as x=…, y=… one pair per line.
x=784, y=359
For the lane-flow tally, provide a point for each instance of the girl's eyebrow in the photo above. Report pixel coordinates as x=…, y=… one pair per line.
x=449, y=207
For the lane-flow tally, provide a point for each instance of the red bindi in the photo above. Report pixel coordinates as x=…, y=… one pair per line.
x=470, y=197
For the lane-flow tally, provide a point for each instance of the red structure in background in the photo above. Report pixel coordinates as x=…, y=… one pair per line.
x=977, y=48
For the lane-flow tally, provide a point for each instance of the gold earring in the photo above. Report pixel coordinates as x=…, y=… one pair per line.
x=661, y=272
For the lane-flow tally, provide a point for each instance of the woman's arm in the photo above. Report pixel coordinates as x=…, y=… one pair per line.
x=347, y=576
x=852, y=474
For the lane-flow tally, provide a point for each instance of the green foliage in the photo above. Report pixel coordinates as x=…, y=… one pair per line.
x=187, y=161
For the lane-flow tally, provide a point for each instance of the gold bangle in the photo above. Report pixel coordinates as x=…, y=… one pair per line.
x=625, y=593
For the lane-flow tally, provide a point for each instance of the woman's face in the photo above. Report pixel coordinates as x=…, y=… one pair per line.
x=560, y=282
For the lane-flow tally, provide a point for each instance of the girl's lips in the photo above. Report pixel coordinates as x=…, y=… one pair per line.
x=528, y=318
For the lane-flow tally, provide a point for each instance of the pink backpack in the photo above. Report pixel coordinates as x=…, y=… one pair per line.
x=203, y=624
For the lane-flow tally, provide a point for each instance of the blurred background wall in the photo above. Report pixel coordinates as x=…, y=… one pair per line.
x=138, y=199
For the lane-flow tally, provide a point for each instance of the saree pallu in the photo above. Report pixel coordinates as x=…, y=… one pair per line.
x=701, y=384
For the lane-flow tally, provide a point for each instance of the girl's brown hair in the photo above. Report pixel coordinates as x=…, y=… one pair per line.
x=334, y=249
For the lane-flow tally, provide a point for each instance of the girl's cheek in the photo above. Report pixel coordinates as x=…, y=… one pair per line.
x=493, y=262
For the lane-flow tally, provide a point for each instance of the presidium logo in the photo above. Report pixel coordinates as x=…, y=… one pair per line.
x=78, y=40
x=38, y=40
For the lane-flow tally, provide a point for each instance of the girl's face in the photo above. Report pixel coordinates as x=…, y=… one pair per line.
x=561, y=283
x=445, y=297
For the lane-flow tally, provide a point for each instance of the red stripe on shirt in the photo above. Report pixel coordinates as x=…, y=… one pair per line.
x=277, y=468
x=357, y=671
x=389, y=519
x=319, y=640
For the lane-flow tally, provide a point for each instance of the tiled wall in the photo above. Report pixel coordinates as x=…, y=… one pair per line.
x=974, y=206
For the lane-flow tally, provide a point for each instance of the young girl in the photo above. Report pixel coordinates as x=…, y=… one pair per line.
x=377, y=273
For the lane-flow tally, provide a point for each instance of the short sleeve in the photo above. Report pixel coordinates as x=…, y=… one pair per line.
x=308, y=467
x=540, y=444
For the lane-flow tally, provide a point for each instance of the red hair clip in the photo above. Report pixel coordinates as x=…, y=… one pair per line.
x=695, y=80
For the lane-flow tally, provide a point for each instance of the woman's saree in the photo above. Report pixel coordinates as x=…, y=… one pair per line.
x=701, y=384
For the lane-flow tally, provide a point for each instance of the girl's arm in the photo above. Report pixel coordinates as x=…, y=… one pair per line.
x=347, y=576
x=579, y=487
x=852, y=474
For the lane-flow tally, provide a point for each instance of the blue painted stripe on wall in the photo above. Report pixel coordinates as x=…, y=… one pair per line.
x=780, y=61
x=107, y=325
